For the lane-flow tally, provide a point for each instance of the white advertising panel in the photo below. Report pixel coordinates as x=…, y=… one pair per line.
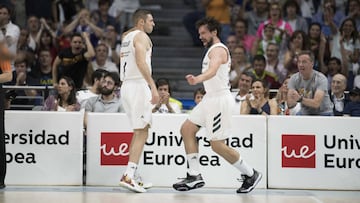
x=314, y=153
x=164, y=160
x=44, y=148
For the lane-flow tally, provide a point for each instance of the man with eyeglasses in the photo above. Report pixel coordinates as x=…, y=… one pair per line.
x=309, y=88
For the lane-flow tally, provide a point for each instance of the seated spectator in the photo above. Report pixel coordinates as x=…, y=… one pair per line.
x=166, y=104
x=260, y=103
x=260, y=45
x=281, y=100
x=21, y=78
x=337, y=95
x=292, y=15
x=240, y=30
x=199, y=94
x=273, y=62
x=65, y=100
x=42, y=74
x=97, y=79
x=334, y=67
x=101, y=59
x=239, y=64
x=107, y=101
x=259, y=65
x=297, y=43
x=309, y=87
x=353, y=107
x=244, y=86
x=319, y=45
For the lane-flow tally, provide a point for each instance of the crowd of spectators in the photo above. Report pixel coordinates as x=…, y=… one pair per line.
x=74, y=38
x=272, y=33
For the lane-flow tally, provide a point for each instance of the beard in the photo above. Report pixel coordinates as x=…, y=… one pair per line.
x=106, y=92
x=210, y=43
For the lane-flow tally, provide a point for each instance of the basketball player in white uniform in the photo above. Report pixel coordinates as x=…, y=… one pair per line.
x=214, y=112
x=136, y=95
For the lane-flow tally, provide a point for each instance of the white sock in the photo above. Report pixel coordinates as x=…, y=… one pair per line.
x=193, y=160
x=244, y=168
x=130, y=169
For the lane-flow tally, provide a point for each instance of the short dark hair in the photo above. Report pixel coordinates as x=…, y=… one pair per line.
x=199, y=90
x=259, y=57
x=98, y=74
x=163, y=81
x=140, y=14
x=211, y=23
x=114, y=76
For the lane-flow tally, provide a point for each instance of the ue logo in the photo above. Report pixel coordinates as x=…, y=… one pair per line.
x=114, y=148
x=298, y=151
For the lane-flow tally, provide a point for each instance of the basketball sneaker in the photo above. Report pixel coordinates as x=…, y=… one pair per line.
x=138, y=179
x=189, y=183
x=249, y=183
x=131, y=184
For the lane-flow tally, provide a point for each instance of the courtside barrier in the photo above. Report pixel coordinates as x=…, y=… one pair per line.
x=314, y=152
x=164, y=159
x=44, y=148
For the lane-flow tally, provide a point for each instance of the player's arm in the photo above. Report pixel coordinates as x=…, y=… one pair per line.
x=217, y=57
x=141, y=45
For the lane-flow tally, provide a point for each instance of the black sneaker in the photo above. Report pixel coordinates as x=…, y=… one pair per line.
x=189, y=183
x=249, y=183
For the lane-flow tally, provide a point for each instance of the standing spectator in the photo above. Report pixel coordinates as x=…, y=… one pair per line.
x=73, y=61
x=122, y=10
x=112, y=41
x=292, y=15
x=101, y=59
x=259, y=104
x=346, y=46
x=337, y=94
x=244, y=86
x=353, y=11
x=65, y=10
x=240, y=30
x=309, y=87
x=166, y=104
x=327, y=15
x=46, y=39
x=83, y=23
x=283, y=28
x=5, y=76
x=9, y=31
x=65, y=100
x=33, y=26
x=190, y=19
x=319, y=45
x=256, y=16
x=136, y=74
x=353, y=107
x=220, y=11
x=102, y=17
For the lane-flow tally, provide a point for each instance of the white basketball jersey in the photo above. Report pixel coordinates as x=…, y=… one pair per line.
x=129, y=69
x=221, y=79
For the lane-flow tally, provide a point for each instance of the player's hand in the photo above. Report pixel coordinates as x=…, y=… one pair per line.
x=191, y=79
x=155, y=98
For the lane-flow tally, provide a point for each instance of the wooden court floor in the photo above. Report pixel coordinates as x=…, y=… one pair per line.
x=30, y=194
